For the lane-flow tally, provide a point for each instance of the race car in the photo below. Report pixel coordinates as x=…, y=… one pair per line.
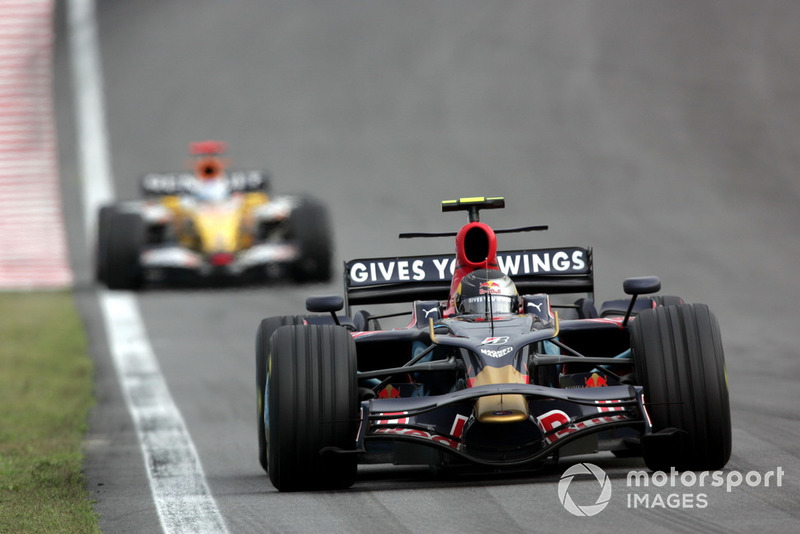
x=211, y=224
x=506, y=363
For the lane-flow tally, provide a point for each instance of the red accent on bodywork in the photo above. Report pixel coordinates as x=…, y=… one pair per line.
x=202, y=148
x=221, y=258
x=458, y=426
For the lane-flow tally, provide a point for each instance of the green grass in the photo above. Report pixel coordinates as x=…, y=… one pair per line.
x=45, y=396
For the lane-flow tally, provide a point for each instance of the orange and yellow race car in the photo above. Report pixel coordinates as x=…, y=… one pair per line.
x=211, y=224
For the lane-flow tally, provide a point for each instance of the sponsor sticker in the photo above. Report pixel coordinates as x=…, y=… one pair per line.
x=179, y=183
x=498, y=340
x=497, y=353
x=368, y=272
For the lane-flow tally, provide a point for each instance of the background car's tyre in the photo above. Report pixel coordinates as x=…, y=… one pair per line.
x=312, y=403
x=104, y=220
x=126, y=237
x=668, y=300
x=363, y=321
x=309, y=227
x=679, y=360
x=264, y=332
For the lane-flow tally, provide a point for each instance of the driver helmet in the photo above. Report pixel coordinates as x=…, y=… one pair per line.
x=486, y=291
x=209, y=169
x=212, y=191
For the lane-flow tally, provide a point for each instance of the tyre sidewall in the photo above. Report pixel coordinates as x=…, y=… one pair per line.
x=679, y=361
x=265, y=330
x=312, y=403
x=126, y=238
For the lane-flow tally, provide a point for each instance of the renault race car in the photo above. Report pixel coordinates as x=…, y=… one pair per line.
x=496, y=371
x=212, y=223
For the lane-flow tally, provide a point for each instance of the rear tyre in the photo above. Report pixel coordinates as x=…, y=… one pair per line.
x=312, y=403
x=363, y=321
x=264, y=332
x=309, y=227
x=125, y=241
x=679, y=360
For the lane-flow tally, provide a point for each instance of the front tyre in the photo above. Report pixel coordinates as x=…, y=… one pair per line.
x=125, y=240
x=679, y=360
x=105, y=217
x=312, y=403
x=264, y=332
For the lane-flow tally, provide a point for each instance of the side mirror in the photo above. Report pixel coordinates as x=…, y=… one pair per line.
x=639, y=286
x=327, y=303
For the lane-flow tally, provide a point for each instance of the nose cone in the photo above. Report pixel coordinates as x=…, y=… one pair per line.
x=218, y=230
x=501, y=408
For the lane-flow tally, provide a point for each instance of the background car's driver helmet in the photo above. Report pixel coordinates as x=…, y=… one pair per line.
x=215, y=190
x=484, y=291
x=209, y=169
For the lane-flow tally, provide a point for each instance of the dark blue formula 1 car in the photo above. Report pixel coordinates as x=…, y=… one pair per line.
x=501, y=366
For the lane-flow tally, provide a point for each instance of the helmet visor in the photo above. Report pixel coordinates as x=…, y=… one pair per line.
x=486, y=304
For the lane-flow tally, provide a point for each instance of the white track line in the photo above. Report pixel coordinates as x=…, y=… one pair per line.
x=177, y=482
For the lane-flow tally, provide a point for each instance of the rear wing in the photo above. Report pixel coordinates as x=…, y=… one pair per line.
x=157, y=184
x=406, y=279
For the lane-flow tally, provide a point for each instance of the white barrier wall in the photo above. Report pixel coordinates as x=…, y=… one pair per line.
x=33, y=251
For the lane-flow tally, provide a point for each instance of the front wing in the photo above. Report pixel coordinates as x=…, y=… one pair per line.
x=558, y=418
x=182, y=259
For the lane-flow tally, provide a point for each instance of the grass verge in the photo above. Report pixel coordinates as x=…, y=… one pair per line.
x=45, y=396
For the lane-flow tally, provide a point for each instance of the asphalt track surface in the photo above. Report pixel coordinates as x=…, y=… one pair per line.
x=663, y=134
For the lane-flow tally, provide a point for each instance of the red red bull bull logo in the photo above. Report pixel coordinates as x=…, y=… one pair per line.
x=489, y=286
x=595, y=381
x=389, y=392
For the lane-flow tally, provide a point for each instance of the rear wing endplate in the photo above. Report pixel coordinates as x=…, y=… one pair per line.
x=406, y=279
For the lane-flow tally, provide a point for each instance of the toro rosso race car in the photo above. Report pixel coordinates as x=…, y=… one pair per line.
x=500, y=367
x=211, y=224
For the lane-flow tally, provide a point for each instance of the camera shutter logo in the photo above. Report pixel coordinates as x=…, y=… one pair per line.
x=589, y=509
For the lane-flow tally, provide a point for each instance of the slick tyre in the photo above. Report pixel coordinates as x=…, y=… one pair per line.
x=312, y=404
x=125, y=241
x=668, y=300
x=264, y=332
x=104, y=220
x=679, y=361
x=309, y=227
